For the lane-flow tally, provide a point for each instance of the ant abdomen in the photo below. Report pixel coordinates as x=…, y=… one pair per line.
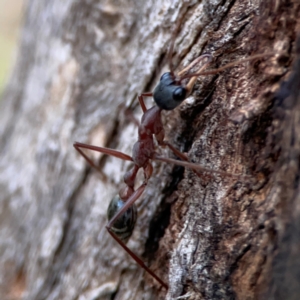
x=168, y=94
x=124, y=225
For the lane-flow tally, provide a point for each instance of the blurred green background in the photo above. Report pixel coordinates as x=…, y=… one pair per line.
x=10, y=22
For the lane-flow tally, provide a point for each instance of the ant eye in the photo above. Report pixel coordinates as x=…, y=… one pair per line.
x=165, y=76
x=179, y=94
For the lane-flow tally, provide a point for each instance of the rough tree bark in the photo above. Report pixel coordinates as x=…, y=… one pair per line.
x=212, y=237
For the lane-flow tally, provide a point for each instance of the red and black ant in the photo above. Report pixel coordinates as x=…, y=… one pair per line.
x=168, y=94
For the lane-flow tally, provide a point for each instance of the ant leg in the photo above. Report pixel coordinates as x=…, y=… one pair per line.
x=141, y=100
x=138, y=260
x=126, y=205
x=130, y=116
x=176, y=151
x=109, y=225
x=181, y=155
x=103, y=150
x=129, y=202
x=128, y=112
x=197, y=167
x=78, y=146
x=160, y=138
x=91, y=163
x=162, y=143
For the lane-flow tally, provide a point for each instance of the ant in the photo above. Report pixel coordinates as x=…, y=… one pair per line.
x=170, y=92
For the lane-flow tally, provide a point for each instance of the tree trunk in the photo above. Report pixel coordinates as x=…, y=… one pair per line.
x=80, y=64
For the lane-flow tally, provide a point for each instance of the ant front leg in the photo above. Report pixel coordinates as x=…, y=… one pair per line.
x=129, y=113
x=141, y=100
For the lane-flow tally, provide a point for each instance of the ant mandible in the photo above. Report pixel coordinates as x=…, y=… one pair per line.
x=168, y=94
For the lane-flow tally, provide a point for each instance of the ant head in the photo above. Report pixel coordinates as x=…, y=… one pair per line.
x=169, y=92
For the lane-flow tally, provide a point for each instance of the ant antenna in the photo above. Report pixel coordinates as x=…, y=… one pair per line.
x=229, y=65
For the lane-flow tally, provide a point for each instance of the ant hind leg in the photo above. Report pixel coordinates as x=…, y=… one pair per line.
x=127, y=204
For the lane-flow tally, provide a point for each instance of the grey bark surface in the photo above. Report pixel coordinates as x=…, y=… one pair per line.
x=80, y=64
